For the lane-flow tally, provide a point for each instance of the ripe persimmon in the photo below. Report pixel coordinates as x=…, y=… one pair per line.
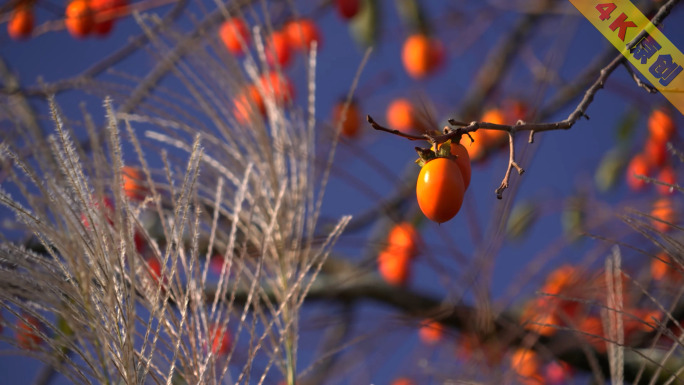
x=301, y=33
x=591, y=329
x=107, y=207
x=154, y=268
x=278, y=86
x=660, y=126
x=221, y=340
x=440, y=189
x=431, y=332
x=639, y=165
x=525, y=362
x=463, y=161
x=655, y=152
x=347, y=9
x=132, y=186
x=421, y=55
x=234, y=34
x=403, y=238
x=104, y=13
x=278, y=49
x=79, y=18
x=400, y=115
x=28, y=332
x=417, y=55
x=477, y=148
x=247, y=102
x=403, y=381
x=21, y=22
x=394, y=267
x=660, y=266
x=539, y=316
x=495, y=137
x=666, y=175
x=663, y=213
x=352, y=119
x=515, y=110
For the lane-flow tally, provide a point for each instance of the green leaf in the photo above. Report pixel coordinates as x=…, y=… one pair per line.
x=412, y=15
x=610, y=169
x=365, y=26
x=522, y=217
x=573, y=217
x=63, y=326
x=626, y=125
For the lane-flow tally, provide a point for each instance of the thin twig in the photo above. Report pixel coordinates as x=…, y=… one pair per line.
x=511, y=164
x=395, y=132
x=649, y=88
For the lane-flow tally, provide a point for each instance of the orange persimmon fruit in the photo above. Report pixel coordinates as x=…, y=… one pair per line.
x=234, y=34
x=660, y=266
x=401, y=115
x=28, y=332
x=663, y=213
x=79, y=18
x=421, y=55
x=104, y=13
x=352, y=119
x=431, y=332
x=416, y=55
x=655, y=152
x=301, y=33
x=403, y=238
x=277, y=86
x=347, y=9
x=394, y=267
x=248, y=101
x=21, y=22
x=463, y=161
x=660, y=125
x=525, y=362
x=221, y=340
x=663, y=268
x=495, y=137
x=440, y=189
x=639, y=165
x=132, y=183
x=666, y=175
x=278, y=49
x=402, y=381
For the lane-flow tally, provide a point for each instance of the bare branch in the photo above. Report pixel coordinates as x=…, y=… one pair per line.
x=395, y=132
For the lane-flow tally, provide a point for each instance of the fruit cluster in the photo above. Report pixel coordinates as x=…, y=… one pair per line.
x=250, y=101
x=298, y=34
x=395, y=259
x=81, y=18
x=653, y=159
x=568, y=291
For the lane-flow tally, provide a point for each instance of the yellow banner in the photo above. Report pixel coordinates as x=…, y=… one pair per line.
x=654, y=56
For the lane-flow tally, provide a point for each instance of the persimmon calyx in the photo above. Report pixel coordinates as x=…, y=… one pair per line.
x=427, y=154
